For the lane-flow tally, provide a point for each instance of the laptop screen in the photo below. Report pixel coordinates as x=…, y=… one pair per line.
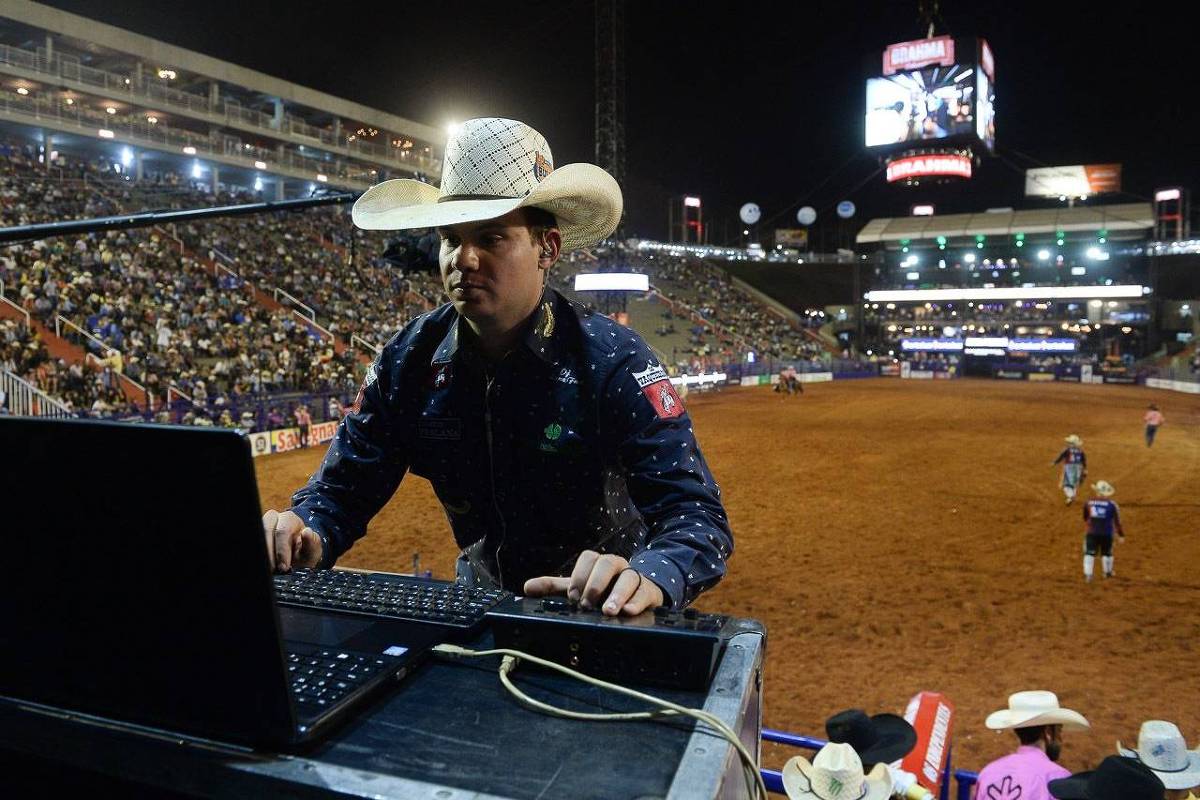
x=138, y=584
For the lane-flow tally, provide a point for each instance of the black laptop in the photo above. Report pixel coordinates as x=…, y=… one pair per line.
x=136, y=587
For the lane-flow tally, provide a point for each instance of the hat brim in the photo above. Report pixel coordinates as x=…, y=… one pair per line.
x=1006, y=719
x=584, y=199
x=797, y=782
x=1072, y=788
x=896, y=739
x=1188, y=778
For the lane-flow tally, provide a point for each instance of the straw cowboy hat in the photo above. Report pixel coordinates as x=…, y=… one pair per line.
x=1075, y=440
x=493, y=166
x=1116, y=778
x=1162, y=749
x=1030, y=709
x=835, y=774
x=1103, y=488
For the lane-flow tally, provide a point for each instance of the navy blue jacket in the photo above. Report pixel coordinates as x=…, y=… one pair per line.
x=575, y=440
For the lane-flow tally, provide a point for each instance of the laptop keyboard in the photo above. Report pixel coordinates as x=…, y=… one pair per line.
x=319, y=677
x=390, y=596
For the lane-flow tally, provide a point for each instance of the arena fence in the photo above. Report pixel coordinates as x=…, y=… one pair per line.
x=22, y=398
x=773, y=778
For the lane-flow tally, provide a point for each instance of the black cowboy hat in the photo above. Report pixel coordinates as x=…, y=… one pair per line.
x=880, y=739
x=1117, y=778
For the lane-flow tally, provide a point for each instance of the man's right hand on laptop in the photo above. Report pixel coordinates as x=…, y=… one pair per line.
x=290, y=543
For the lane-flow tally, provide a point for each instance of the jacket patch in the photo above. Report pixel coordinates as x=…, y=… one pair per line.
x=662, y=396
x=653, y=374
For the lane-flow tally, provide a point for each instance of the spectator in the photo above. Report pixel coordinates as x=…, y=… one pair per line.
x=1161, y=747
x=303, y=421
x=1039, y=722
x=878, y=739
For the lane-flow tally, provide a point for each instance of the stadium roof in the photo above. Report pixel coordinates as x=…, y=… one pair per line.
x=1121, y=217
x=156, y=51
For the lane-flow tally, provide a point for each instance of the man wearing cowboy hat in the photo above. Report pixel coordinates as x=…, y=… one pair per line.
x=1101, y=516
x=1039, y=722
x=1162, y=749
x=554, y=439
x=878, y=739
x=835, y=774
x=1074, y=466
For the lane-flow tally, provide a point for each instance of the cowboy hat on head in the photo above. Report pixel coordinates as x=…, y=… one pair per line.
x=1075, y=440
x=835, y=774
x=1031, y=709
x=493, y=166
x=1161, y=748
x=879, y=739
x=1103, y=488
x=1116, y=778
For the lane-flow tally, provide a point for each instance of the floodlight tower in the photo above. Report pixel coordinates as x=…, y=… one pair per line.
x=610, y=87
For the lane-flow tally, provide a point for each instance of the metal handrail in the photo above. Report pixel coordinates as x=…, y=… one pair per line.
x=313, y=324
x=25, y=394
x=8, y=302
x=312, y=315
x=355, y=339
x=60, y=320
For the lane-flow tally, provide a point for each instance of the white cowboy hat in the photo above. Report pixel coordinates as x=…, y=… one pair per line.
x=1162, y=749
x=493, y=166
x=1103, y=488
x=1075, y=440
x=1030, y=709
x=835, y=774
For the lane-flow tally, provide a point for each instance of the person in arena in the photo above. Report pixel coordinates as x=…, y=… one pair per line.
x=1161, y=747
x=1153, y=418
x=562, y=455
x=1039, y=722
x=1074, y=468
x=1102, y=518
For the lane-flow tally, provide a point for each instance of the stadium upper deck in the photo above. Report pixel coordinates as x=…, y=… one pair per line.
x=158, y=107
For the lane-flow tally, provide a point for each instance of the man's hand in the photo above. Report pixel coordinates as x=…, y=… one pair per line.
x=290, y=543
x=596, y=577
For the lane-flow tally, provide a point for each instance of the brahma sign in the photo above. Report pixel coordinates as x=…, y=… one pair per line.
x=929, y=166
x=923, y=52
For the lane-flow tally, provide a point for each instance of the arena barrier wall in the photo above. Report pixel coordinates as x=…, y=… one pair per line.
x=771, y=380
x=280, y=441
x=1174, y=386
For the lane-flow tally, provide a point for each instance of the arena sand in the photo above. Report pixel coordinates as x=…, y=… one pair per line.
x=896, y=536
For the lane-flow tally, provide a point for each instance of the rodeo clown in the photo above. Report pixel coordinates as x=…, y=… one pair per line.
x=553, y=437
x=1074, y=466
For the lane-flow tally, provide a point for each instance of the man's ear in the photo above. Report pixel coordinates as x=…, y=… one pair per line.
x=551, y=248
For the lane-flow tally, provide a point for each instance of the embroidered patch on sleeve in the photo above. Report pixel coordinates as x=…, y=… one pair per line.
x=662, y=396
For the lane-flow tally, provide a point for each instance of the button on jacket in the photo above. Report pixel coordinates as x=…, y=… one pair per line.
x=574, y=440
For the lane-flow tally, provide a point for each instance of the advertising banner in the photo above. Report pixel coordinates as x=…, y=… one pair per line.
x=905, y=369
x=902, y=169
x=1010, y=374
x=919, y=53
x=920, y=374
x=1041, y=376
x=1119, y=379
x=1074, y=181
x=890, y=370
x=792, y=237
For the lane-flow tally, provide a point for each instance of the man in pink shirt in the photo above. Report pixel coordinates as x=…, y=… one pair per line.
x=1039, y=722
x=1153, y=419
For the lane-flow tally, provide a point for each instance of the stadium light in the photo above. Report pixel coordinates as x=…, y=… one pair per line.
x=258, y=184
x=1007, y=293
x=453, y=127
x=189, y=150
x=126, y=156
x=969, y=258
x=153, y=120
x=166, y=74
x=1043, y=255
x=104, y=133
x=260, y=165
x=197, y=170
x=912, y=276
x=322, y=178
x=21, y=90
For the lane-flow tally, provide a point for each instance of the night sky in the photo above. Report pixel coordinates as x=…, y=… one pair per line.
x=735, y=102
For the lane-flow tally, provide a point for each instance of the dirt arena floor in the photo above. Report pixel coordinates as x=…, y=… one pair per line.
x=896, y=536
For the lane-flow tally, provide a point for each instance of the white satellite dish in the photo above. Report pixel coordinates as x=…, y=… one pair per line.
x=806, y=215
x=750, y=213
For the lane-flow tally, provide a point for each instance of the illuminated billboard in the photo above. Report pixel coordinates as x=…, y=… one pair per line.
x=922, y=105
x=1074, y=181
x=928, y=166
x=933, y=90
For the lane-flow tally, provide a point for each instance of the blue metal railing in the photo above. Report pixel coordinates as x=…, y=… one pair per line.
x=773, y=778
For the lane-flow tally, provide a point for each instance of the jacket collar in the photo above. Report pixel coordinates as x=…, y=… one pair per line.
x=542, y=338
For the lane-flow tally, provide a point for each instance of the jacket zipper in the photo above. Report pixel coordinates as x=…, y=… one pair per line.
x=487, y=419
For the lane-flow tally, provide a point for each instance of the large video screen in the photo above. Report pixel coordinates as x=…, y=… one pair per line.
x=985, y=111
x=931, y=103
